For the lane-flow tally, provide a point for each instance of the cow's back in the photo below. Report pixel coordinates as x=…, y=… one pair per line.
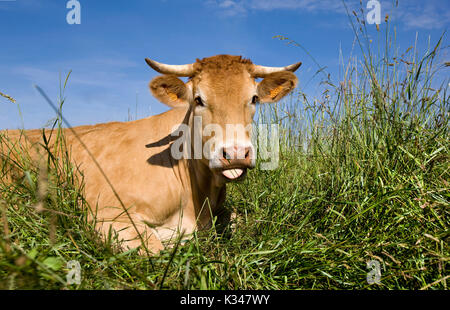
x=117, y=155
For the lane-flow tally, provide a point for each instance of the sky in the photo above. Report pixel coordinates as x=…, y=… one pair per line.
x=105, y=52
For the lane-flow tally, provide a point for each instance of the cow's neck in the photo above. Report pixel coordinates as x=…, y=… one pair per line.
x=208, y=193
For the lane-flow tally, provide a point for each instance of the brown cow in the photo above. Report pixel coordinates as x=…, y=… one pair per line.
x=165, y=193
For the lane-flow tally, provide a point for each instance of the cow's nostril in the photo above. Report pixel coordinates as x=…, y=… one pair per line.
x=225, y=154
x=247, y=154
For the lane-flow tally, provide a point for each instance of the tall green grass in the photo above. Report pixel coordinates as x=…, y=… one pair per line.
x=363, y=175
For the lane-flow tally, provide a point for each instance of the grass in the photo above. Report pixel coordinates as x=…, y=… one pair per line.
x=363, y=175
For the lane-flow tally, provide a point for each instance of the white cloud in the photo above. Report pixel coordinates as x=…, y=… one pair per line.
x=229, y=8
x=413, y=14
x=308, y=5
x=426, y=15
x=236, y=7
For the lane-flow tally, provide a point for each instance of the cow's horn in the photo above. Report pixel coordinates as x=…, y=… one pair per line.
x=262, y=71
x=178, y=70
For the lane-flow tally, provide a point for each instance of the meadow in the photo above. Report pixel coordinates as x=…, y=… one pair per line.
x=363, y=176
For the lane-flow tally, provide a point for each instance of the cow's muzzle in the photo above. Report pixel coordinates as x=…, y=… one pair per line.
x=234, y=161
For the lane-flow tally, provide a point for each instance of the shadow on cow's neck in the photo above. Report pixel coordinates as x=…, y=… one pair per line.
x=165, y=158
x=198, y=169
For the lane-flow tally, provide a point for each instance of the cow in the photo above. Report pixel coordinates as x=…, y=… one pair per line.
x=136, y=183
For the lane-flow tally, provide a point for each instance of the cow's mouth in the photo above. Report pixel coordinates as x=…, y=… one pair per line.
x=234, y=173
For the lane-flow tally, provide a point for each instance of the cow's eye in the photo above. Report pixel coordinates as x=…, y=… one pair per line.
x=199, y=101
x=255, y=100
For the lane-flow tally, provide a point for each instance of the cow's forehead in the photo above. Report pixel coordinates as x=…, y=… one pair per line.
x=222, y=67
x=223, y=75
x=232, y=85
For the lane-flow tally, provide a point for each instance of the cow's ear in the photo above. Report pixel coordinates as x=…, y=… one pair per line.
x=276, y=85
x=170, y=90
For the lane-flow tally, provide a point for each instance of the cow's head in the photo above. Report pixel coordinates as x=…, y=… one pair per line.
x=222, y=90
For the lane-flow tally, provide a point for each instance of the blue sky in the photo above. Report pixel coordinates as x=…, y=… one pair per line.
x=106, y=51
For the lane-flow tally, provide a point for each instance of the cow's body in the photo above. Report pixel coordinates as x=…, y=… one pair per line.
x=164, y=196
x=160, y=192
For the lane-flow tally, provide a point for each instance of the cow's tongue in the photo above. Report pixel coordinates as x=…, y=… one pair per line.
x=233, y=173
